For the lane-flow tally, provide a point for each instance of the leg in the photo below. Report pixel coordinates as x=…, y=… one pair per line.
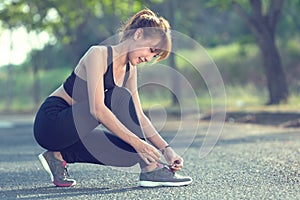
x=58, y=125
x=105, y=148
x=101, y=147
x=119, y=101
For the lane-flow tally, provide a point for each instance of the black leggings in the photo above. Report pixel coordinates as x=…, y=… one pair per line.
x=74, y=132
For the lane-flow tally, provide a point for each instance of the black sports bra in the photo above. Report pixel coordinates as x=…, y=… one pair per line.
x=77, y=87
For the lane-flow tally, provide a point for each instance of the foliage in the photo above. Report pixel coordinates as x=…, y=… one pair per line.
x=243, y=77
x=23, y=81
x=74, y=25
x=261, y=17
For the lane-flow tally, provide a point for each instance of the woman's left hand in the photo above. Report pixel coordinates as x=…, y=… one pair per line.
x=172, y=158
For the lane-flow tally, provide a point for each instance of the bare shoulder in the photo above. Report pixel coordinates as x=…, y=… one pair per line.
x=96, y=50
x=98, y=47
x=95, y=58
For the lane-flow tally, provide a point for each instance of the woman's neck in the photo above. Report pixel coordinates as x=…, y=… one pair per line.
x=120, y=54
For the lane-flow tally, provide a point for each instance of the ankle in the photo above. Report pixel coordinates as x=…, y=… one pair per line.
x=150, y=167
x=58, y=155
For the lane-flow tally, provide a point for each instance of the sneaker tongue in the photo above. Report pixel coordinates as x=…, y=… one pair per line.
x=159, y=165
x=162, y=165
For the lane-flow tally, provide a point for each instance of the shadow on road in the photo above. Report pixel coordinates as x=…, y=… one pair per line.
x=279, y=137
x=56, y=192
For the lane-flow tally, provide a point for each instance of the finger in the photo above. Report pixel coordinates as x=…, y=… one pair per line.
x=145, y=159
x=154, y=155
x=147, y=162
x=173, y=168
x=157, y=154
x=150, y=159
x=177, y=164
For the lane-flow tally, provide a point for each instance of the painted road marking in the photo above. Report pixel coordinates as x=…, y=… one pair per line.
x=5, y=124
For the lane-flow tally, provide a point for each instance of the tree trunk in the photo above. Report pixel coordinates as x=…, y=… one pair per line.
x=172, y=61
x=275, y=75
x=9, y=87
x=36, y=82
x=263, y=27
x=175, y=82
x=9, y=83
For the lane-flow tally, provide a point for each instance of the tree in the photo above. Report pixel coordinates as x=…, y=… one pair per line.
x=168, y=9
x=73, y=28
x=263, y=26
x=262, y=17
x=10, y=23
x=172, y=18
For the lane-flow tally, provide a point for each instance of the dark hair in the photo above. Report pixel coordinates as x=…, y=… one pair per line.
x=152, y=25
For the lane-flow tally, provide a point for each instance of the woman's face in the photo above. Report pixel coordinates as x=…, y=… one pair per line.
x=143, y=50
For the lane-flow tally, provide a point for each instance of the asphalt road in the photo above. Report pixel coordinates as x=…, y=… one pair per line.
x=247, y=162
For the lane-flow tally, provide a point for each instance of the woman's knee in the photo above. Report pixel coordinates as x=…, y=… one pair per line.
x=121, y=92
x=118, y=96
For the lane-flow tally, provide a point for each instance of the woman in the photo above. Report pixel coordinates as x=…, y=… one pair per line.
x=102, y=89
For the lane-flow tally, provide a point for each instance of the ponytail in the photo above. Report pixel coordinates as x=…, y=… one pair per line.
x=152, y=26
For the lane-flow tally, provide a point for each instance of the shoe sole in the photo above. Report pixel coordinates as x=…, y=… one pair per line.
x=47, y=168
x=167, y=184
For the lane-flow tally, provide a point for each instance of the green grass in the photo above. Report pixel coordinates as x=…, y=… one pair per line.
x=23, y=92
x=251, y=99
x=234, y=49
x=246, y=98
x=238, y=98
x=240, y=67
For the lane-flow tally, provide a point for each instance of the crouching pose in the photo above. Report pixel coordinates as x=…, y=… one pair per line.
x=102, y=89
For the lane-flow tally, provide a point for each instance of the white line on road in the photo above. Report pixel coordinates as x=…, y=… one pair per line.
x=5, y=124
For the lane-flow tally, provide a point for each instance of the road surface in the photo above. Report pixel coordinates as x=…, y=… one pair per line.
x=247, y=162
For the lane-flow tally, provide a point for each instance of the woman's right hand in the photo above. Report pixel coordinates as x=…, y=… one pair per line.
x=147, y=152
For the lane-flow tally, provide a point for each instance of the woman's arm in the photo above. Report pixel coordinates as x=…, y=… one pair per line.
x=150, y=132
x=95, y=66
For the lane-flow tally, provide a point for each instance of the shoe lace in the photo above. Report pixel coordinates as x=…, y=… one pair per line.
x=66, y=173
x=169, y=171
x=166, y=166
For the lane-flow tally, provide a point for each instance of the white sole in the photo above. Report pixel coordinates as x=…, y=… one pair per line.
x=46, y=166
x=167, y=184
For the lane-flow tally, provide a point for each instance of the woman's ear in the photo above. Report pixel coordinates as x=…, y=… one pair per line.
x=138, y=34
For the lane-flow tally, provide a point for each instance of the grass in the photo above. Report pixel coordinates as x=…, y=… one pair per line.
x=22, y=89
x=240, y=68
x=291, y=106
x=238, y=99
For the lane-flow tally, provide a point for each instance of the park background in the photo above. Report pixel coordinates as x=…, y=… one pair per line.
x=255, y=45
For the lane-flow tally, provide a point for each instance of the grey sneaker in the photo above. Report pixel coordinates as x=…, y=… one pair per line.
x=163, y=177
x=56, y=169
